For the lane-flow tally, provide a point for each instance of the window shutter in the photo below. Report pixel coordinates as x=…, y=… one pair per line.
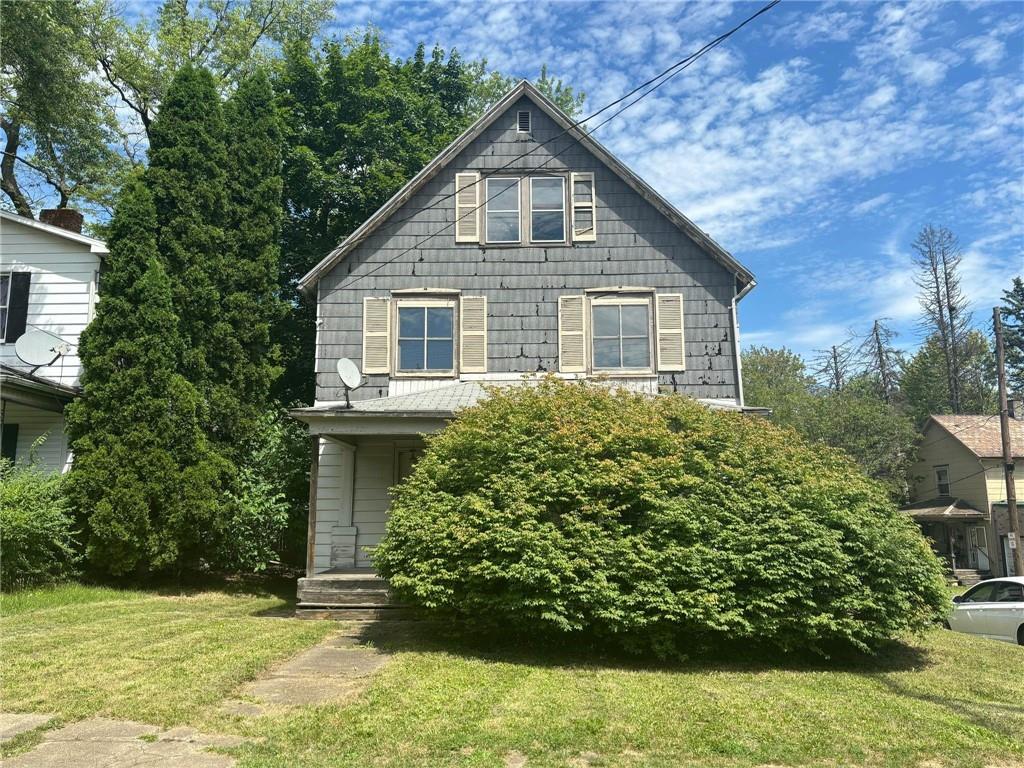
x=473, y=334
x=584, y=210
x=572, y=341
x=17, y=306
x=467, y=207
x=376, y=335
x=671, y=345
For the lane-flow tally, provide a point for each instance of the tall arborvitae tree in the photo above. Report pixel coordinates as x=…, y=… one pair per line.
x=1013, y=335
x=144, y=477
x=250, y=281
x=188, y=178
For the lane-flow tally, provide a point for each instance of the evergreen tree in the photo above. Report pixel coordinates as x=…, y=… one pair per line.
x=250, y=280
x=144, y=477
x=1013, y=335
x=188, y=179
x=924, y=386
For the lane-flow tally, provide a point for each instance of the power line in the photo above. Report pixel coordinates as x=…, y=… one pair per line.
x=654, y=83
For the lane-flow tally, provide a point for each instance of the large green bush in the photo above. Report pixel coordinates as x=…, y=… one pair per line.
x=656, y=522
x=37, y=541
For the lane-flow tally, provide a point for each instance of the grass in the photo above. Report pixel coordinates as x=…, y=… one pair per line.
x=944, y=700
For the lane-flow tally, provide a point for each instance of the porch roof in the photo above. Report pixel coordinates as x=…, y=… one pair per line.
x=943, y=508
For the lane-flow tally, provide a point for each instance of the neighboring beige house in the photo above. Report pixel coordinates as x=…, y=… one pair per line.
x=49, y=273
x=960, y=492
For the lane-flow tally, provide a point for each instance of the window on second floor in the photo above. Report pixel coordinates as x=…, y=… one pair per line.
x=942, y=480
x=426, y=338
x=5, y=298
x=547, y=209
x=502, y=220
x=621, y=333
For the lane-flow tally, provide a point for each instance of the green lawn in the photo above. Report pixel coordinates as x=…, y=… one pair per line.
x=945, y=700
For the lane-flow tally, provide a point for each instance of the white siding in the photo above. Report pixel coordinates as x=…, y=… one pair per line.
x=62, y=294
x=33, y=423
x=375, y=474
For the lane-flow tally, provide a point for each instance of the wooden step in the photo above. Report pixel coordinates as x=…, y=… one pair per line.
x=352, y=613
x=344, y=590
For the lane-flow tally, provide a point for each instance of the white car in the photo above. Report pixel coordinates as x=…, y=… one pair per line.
x=993, y=609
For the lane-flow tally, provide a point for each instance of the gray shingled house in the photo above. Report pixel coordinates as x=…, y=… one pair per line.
x=546, y=255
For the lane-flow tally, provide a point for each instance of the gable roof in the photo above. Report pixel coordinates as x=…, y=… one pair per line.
x=981, y=435
x=95, y=246
x=524, y=88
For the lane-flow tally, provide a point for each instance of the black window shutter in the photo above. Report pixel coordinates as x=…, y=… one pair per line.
x=9, y=442
x=17, y=306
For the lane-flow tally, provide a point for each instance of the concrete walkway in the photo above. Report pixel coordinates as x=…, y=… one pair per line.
x=100, y=743
x=336, y=670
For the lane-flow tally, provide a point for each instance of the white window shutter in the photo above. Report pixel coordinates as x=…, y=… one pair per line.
x=584, y=208
x=572, y=339
x=671, y=345
x=376, y=335
x=467, y=207
x=473, y=334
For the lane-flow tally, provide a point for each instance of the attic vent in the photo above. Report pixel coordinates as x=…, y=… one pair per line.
x=523, y=125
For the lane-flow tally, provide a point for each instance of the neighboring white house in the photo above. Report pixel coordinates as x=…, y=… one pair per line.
x=49, y=275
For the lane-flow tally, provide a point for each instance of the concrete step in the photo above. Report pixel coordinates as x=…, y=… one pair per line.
x=354, y=613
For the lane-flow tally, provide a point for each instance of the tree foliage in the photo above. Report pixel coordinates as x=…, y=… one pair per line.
x=1013, y=335
x=59, y=129
x=878, y=434
x=925, y=387
x=145, y=477
x=568, y=509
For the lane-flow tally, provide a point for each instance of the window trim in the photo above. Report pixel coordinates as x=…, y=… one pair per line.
x=565, y=226
x=938, y=483
x=407, y=302
x=487, y=210
x=5, y=305
x=622, y=298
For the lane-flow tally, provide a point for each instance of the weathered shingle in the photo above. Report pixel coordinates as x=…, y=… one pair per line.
x=981, y=434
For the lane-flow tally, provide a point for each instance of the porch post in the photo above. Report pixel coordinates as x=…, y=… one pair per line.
x=314, y=476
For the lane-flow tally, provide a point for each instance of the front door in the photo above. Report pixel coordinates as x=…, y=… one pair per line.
x=979, y=548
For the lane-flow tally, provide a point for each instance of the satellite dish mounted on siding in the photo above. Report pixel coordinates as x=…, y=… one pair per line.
x=38, y=348
x=350, y=376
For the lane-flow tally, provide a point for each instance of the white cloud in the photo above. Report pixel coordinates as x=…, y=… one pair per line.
x=871, y=204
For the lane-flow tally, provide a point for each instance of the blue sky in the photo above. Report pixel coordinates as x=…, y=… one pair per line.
x=812, y=145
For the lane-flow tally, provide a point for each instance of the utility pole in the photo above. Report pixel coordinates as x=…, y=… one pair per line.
x=1016, y=545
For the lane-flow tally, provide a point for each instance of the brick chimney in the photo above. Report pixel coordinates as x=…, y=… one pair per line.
x=65, y=218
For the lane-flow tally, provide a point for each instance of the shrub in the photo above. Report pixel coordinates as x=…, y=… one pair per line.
x=37, y=542
x=654, y=522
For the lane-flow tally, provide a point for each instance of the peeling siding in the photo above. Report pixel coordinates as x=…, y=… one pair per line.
x=636, y=245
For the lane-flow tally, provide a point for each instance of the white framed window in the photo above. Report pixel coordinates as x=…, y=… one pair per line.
x=502, y=219
x=523, y=121
x=584, y=221
x=547, y=209
x=942, y=480
x=5, y=300
x=425, y=337
x=621, y=331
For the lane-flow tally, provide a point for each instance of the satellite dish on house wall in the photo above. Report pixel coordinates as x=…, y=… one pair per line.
x=38, y=348
x=350, y=376
x=349, y=373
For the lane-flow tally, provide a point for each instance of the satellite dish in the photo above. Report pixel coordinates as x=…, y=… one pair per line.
x=38, y=348
x=351, y=378
x=349, y=373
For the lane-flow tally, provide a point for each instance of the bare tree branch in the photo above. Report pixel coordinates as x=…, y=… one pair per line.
x=8, y=174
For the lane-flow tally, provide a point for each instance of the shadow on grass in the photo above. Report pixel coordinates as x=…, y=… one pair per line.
x=581, y=652
x=279, y=585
